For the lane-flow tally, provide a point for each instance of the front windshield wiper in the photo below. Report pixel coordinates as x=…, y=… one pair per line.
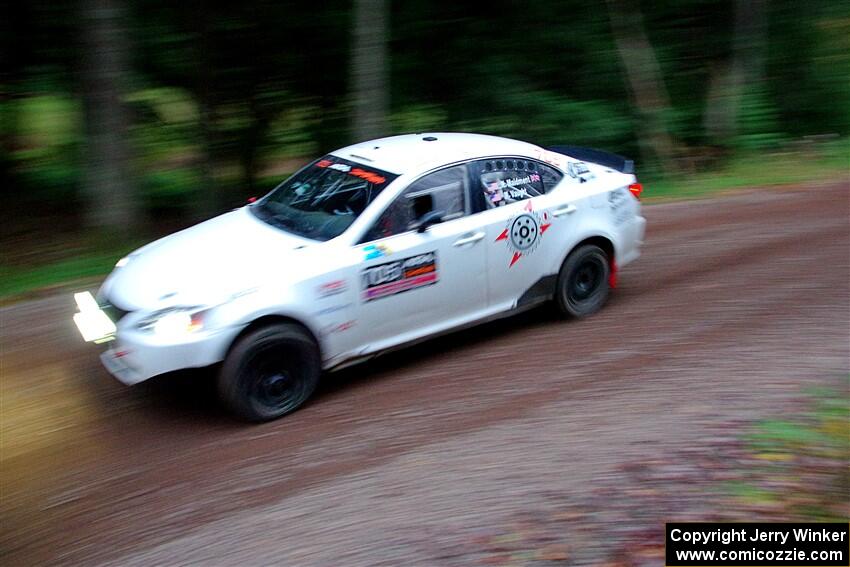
x=282, y=221
x=276, y=219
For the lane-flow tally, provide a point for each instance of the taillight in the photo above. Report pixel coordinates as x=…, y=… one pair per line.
x=636, y=189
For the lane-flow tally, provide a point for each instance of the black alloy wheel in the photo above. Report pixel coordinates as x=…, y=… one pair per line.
x=270, y=372
x=583, y=281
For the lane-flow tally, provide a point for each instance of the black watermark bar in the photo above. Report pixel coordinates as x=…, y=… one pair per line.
x=757, y=544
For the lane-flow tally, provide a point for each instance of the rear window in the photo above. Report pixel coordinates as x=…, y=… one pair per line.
x=504, y=181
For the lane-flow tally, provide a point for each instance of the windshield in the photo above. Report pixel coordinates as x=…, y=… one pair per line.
x=323, y=199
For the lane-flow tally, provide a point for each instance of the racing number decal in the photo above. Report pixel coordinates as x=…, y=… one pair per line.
x=402, y=275
x=524, y=232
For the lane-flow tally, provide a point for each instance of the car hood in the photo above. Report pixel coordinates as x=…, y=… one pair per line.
x=204, y=264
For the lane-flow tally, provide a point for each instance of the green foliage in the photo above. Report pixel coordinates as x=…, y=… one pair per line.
x=419, y=118
x=172, y=188
x=289, y=133
x=831, y=64
x=18, y=281
x=44, y=156
x=168, y=106
x=808, y=67
x=223, y=97
x=561, y=120
x=809, y=163
x=164, y=132
x=758, y=127
x=805, y=460
x=95, y=258
x=46, y=121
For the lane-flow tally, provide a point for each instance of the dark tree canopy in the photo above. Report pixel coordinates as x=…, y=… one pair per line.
x=214, y=100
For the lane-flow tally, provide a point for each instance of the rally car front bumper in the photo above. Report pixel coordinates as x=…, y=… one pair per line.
x=133, y=355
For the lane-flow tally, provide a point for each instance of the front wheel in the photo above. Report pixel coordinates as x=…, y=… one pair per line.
x=583, y=281
x=270, y=372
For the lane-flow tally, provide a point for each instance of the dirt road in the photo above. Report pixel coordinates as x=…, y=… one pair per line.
x=737, y=305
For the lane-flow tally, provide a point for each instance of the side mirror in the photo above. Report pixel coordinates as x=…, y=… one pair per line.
x=428, y=219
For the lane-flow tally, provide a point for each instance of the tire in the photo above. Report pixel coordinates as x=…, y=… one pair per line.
x=583, y=286
x=270, y=372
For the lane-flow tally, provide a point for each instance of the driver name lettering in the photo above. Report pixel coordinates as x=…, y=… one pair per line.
x=514, y=181
x=517, y=193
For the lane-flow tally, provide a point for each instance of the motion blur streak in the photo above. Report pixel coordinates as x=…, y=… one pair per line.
x=125, y=120
x=715, y=325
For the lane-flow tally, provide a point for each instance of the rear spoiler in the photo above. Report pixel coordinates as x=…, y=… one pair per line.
x=601, y=157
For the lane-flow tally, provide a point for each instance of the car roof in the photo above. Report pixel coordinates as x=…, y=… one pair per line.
x=414, y=153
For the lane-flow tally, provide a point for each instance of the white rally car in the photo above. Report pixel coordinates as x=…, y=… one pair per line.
x=368, y=248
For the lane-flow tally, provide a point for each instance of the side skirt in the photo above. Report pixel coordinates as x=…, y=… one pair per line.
x=540, y=292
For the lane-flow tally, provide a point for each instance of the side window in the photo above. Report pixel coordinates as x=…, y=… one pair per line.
x=443, y=190
x=550, y=176
x=507, y=180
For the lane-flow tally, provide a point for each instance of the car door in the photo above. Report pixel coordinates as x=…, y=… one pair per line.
x=526, y=227
x=412, y=282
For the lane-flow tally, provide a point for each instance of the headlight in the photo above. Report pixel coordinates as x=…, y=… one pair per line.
x=174, y=322
x=179, y=321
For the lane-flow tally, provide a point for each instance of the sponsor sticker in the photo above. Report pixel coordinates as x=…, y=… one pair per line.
x=369, y=176
x=401, y=275
x=338, y=327
x=618, y=201
x=373, y=251
x=333, y=287
x=578, y=170
x=553, y=158
x=332, y=309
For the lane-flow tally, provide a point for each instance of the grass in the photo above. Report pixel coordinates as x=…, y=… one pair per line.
x=20, y=281
x=828, y=161
x=15, y=281
x=799, y=462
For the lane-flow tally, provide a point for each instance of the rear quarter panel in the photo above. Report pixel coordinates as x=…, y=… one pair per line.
x=604, y=207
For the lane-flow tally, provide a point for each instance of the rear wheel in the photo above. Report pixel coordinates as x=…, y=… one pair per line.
x=270, y=372
x=583, y=281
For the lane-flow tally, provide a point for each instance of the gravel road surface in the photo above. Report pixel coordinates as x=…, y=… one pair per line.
x=738, y=304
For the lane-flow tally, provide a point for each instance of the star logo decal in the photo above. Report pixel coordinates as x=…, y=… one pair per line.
x=524, y=231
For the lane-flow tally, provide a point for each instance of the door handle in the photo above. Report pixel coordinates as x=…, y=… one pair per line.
x=469, y=239
x=565, y=210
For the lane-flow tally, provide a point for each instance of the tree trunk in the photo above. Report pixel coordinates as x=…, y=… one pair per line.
x=646, y=85
x=209, y=197
x=745, y=71
x=113, y=204
x=9, y=130
x=253, y=139
x=369, y=69
x=720, y=106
